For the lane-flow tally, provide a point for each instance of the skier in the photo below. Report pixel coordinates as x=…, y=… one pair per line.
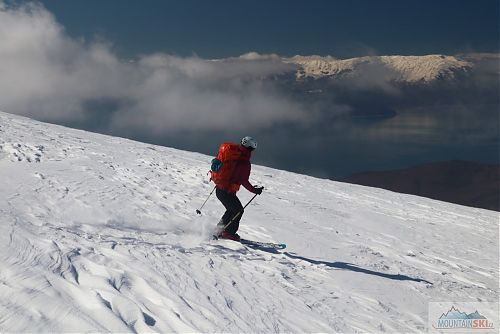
x=235, y=171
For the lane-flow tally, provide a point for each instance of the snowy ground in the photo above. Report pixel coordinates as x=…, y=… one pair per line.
x=100, y=234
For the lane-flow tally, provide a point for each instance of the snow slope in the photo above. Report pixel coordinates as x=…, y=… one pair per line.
x=100, y=234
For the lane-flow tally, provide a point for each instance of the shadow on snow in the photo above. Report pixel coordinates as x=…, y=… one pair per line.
x=352, y=267
x=339, y=265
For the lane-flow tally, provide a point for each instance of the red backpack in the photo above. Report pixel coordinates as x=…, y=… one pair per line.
x=224, y=166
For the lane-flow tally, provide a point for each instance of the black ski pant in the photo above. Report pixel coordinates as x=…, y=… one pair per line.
x=233, y=207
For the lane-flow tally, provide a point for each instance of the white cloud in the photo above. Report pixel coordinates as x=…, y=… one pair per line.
x=257, y=56
x=48, y=75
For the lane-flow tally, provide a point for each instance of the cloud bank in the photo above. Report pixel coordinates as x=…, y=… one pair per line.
x=48, y=75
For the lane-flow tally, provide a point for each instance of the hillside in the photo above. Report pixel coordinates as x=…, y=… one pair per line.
x=460, y=182
x=99, y=234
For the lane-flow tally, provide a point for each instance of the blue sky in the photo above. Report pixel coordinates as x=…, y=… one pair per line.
x=221, y=28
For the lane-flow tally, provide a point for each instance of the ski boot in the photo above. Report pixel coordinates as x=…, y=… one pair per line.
x=230, y=236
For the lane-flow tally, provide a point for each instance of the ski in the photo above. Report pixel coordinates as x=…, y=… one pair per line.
x=258, y=244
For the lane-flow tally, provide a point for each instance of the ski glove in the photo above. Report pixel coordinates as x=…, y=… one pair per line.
x=258, y=190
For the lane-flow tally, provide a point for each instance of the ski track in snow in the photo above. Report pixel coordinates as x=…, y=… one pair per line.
x=100, y=234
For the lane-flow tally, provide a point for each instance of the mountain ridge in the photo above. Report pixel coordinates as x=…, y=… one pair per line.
x=462, y=182
x=398, y=68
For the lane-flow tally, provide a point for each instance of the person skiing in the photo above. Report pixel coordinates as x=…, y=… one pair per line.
x=235, y=171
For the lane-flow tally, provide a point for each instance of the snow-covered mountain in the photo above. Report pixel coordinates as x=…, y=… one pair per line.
x=100, y=234
x=398, y=68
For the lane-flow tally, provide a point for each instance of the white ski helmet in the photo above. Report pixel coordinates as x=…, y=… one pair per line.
x=249, y=142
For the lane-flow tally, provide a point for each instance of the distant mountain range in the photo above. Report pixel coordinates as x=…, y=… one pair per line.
x=395, y=68
x=461, y=182
x=411, y=69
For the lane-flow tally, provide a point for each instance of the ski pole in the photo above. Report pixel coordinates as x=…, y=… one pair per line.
x=198, y=211
x=239, y=213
